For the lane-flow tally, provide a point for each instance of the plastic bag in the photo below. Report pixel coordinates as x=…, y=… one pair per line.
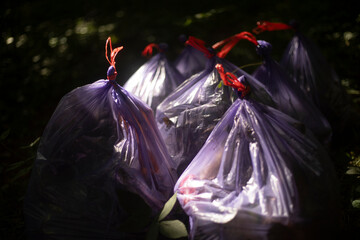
x=288, y=96
x=285, y=94
x=156, y=79
x=258, y=177
x=187, y=116
x=190, y=61
x=100, y=161
x=309, y=69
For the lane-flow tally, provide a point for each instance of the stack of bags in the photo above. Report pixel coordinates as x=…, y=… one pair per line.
x=245, y=153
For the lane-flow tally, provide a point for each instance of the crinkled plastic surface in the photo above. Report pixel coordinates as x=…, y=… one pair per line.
x=187, y=116
x=309, y=69
x=100, y=149
x=190, y=61
x=154, y=80
x=288, y=96
x=258, y=177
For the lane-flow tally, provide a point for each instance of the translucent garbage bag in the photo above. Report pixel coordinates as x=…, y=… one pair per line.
x=309, y=69
x=190, y=61
x=285, y=94
x=186, y=117
x=100, y=159
x=288, y=96
x=258, y=177
x=156, y=79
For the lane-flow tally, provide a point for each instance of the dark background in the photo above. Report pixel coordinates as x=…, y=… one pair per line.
x=50, y=47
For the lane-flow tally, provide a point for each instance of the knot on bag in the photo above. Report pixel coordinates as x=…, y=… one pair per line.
x=231, y=80
x=263, y=26
x=111, y=72
x=263, y=48
x=148, y=50
x=200, y=45
x=230, y=42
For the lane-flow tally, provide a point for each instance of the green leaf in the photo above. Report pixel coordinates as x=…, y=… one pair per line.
x=173, y=229
x=153, y=232
x=356, y=203
x=15, y=165
x=167, y=207
x=187, y=22
x=353, y=171
x=220, y=84
x=32, y=144
x=4, y=135
x=22, y=173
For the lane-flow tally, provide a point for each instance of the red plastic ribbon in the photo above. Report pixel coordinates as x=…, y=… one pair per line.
x=199, y=45
x=230, y=42
x=148, y=50
x=113, y=54
x=270, y=26
x=231, y=80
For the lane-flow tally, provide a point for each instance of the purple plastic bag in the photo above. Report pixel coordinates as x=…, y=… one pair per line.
x=288, y=96
x=190, y=61
x=258, y=177
x=309, y=69
x=154, y=80
x=100, y=147
x=187, y=116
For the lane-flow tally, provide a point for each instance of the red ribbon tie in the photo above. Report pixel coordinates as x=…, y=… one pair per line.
x=111, y=75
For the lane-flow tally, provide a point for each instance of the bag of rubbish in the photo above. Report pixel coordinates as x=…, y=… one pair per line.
x=309, y=69
x=288, y=96
x=156, y=79
x=187, y=116
x=190, y=60
x=101, y=168
x=258, y=177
